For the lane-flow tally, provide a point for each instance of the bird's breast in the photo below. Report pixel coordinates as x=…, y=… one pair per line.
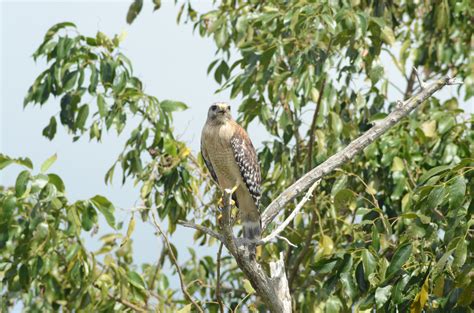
x=221, y=155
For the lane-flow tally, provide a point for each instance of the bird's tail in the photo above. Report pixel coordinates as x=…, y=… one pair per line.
x=252, y=229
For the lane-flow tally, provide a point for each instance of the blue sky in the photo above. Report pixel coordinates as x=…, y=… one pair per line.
x=167, y=57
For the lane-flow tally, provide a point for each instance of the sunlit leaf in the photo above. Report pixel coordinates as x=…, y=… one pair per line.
x=47, y=164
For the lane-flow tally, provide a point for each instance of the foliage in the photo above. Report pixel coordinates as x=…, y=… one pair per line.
x=391, y=230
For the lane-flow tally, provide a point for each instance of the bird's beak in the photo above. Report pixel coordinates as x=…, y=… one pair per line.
x=221, y=111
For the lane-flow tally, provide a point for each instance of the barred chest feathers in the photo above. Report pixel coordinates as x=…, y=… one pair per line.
x=218, y=138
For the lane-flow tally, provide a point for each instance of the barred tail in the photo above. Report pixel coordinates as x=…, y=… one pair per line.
x=252, y=228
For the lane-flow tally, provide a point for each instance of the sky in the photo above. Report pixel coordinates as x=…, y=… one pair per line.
x=169, y=59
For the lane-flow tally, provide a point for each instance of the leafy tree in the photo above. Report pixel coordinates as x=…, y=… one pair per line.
x=390, y=229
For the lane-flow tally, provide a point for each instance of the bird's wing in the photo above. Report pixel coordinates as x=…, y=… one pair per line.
x=208, y=163
x=246, y=158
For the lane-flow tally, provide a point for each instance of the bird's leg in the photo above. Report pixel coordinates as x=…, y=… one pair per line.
x=222, y=202
x=231, y=192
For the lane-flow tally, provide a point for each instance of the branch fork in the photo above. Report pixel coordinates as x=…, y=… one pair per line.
x=274, y=289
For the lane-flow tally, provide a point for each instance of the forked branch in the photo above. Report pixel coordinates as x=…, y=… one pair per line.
x=352, y=149
x=273, y=289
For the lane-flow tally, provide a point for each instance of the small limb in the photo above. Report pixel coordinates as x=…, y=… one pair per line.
x=454, y=81
x=218, y=280
x=205, y=230
x=293, y=214
x=286, y=240
x=176, y=265
x=420, y=81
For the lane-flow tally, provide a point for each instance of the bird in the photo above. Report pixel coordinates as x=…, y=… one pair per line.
x=232, y=161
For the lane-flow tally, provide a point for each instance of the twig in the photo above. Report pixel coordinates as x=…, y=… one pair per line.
x=293, y=214
x=316, y=113
x=126, y=303
x=205, y=230
x=159, y=265
x=304, y=252
x=218, y=279
x=175, y=263
x=410, y=84
x=286, y=240
x=420, y=81
x=351, y=150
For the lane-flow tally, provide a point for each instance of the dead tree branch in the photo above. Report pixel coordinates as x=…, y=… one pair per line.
x=352, y=149
x=274, y=289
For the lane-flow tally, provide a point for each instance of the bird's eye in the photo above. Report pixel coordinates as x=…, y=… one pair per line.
x=214, y=107
x=228, y=107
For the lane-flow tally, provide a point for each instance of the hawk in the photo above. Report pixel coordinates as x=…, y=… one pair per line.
x=232, y=161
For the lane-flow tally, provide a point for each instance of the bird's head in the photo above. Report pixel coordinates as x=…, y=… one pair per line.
x=219, y=112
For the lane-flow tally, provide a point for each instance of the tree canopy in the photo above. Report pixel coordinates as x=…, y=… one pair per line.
x=389, y=230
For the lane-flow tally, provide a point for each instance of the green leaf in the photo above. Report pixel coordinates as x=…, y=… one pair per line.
x=343, y=198
x=369, y=261
x=186, y=309
x=82, y=116
x=429, y=128
x=47, y=164
x=401, y=255
x=8, y=206
x=375, y=238
x=130, y=229
x=460, y=254
x=106, y=208
x=421, y=298
x=388, y=36
x=172, y=106
x=248, y=287
x=102, y=105
x=24, y=276
x=157, y=5
x=435, y=197
x=445, y=124
x=432, y=172
x=57, y=182
x=50, y=130
x=456, y=192
x=349, y=287
x=136, y=280
x=55, y=28
x=70, y=80
x=382, y=295
x=335, y=123
x=134, y=10
x=6, y=160
x=22, y=183
x=89, y=217
x=333, y=305
x=327, y=245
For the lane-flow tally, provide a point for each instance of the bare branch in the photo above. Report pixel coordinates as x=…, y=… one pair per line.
x=351, y=150
x=175, y=263
x=286, y=240
x=124, y=302
x=205, y=230
x=218, y=279
x=420, y=81
x=293, y=214
x=304, y=252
